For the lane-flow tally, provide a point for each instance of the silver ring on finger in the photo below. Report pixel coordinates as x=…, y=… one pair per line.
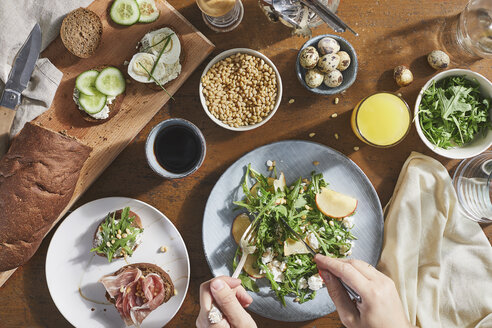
x=214, y=315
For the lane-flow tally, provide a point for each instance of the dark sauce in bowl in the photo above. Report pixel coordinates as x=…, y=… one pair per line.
x=177, y=148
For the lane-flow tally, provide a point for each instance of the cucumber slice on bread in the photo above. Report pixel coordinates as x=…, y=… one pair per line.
x=124, y=12
x=148, y=11
x=92, y=104
x=110, y=82
x=86, y=81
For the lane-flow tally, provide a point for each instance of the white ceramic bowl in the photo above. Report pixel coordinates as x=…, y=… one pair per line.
x=224, y=55
x=479, y=144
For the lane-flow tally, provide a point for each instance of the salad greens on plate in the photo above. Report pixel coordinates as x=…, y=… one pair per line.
x=453, y=112
x=306, y=206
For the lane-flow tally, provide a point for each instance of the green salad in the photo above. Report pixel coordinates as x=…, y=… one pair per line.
x=453, y=112
x=284, y=261
x=117, y=235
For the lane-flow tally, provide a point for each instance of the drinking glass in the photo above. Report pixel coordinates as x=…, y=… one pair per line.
x=474, y=30
x=473, y=183
x=221, y=15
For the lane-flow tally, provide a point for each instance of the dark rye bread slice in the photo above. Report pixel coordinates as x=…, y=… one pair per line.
x=38, y=176
x=137, y=223
x=147, y=268
x=81, y=32
x=114, y=107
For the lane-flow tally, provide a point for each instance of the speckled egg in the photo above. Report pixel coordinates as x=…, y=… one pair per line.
x=344, y=61
x=309, y=57
x=314, y=78
x=328, y=63
x=327, y=46
x=333, y=79
x=438, y=59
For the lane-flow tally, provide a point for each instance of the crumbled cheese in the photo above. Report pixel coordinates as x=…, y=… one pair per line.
x=298, y=261
x=312, y=240
x=322, y=229
x=346, y=250
x=348, y=222
x=267, y=257
x=315, y=282
x=269, y=163
x=303, y=283
x=278, y=276
x=283, y=266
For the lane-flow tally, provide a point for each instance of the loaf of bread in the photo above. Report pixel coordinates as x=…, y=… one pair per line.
x=81, y=32
x=38, y=176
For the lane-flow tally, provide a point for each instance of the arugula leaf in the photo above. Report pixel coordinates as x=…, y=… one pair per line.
x=248, y=283
x=453, y=112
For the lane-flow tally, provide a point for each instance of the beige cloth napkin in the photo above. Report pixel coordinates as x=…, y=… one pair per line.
x=440, y=261
x=17, y=18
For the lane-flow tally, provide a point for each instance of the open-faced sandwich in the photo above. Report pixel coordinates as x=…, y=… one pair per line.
x=98, y=93
x=158, y=59
x=137, y=289
x=118, y=235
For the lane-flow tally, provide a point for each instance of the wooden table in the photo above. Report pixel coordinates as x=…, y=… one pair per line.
x=391, y=33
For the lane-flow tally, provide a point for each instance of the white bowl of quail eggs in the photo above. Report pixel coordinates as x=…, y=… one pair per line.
x=327, y=64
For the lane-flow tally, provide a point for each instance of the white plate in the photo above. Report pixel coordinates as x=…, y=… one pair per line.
x=295, y=158
x=70, y=265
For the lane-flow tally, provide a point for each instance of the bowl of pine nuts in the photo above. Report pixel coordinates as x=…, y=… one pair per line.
x=240, y=89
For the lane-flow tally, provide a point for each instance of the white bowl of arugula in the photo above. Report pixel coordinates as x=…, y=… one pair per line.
x=453, y=114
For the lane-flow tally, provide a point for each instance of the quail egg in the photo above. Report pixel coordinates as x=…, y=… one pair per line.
x=328, y=63
x=403, y=76
x=327, y=46
x=344, y=61
x=141, y=65
x=309, y=57
x=314, y=78
x=333, y=79
x=153, y=42
x=438, y=59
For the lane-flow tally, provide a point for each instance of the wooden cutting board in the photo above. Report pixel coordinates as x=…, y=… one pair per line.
x=140, y=103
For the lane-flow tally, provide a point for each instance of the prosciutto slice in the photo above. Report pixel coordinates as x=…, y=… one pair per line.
x=135, y=295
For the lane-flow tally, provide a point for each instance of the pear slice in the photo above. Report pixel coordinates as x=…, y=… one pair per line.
x=251, y=268
x=335, y=204
x=292, y=247
x=239, y=226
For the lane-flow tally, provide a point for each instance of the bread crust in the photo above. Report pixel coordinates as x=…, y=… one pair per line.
x=81, y=32
x=38, y=176
x=147, y=268
x=137, y=223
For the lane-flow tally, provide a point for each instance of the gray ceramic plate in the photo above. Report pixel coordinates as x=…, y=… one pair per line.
x=295, y=159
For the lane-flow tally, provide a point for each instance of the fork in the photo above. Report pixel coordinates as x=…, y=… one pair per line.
x=247, y=248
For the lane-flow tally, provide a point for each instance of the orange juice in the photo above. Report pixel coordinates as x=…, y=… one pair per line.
x=381, y=120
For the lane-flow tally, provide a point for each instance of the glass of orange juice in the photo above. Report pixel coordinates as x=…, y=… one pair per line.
x=381, y=120
x=221, y=15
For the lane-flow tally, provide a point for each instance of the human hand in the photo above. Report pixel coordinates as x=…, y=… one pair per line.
x=380, y=307
x=231, y=298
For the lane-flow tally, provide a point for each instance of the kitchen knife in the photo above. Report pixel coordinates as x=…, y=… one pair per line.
x=19, y=76
x=349, y=290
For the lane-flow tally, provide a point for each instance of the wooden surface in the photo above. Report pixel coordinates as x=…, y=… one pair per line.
x=138, y=104
x=391, y=33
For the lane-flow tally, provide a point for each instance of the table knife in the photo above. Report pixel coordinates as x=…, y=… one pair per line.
x=352, y=293
x=19, y=76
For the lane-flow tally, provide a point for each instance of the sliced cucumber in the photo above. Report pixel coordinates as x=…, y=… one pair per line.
x=125, y=12
x=148, y=11
x=92, y=104
x=85, y=82
x=111, y=82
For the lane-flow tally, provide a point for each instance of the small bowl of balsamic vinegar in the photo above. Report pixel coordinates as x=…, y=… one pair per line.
x=175, y=148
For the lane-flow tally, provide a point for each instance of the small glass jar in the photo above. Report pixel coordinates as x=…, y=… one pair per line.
x=474, y=33
x=381, y=120
x=221, y=15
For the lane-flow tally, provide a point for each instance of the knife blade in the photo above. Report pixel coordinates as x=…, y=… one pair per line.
x=352, y=293
x=19, y=76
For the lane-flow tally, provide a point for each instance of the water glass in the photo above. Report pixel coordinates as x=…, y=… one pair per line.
x=473, y=183
x=474, y=31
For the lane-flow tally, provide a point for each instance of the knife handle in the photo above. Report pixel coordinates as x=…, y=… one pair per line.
x=6, y=119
